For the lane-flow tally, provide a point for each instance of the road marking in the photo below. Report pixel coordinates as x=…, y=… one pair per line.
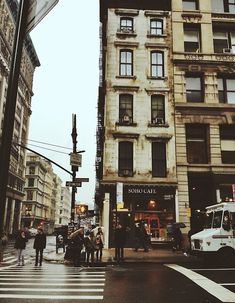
x=53, y=284
x=232, y=284
x=40, y=275
x=211, y=269
x=210, y=286
x=52, y=297
x=55, y=279
x=53, y=289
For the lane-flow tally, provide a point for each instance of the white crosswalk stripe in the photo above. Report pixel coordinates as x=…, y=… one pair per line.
x=45, y=283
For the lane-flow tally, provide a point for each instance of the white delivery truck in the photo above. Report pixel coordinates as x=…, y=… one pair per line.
x=218, y=236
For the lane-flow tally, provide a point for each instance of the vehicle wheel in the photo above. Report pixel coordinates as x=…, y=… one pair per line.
x=226, y=257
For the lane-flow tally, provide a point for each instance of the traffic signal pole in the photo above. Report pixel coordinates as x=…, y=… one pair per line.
x=9, y=114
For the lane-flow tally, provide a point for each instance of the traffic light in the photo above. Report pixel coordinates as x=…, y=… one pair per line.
x=81, y=209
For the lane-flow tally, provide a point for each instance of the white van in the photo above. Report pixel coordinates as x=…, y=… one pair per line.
x=218, y=236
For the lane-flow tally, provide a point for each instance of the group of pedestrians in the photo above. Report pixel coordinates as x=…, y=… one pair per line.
x=87, y=248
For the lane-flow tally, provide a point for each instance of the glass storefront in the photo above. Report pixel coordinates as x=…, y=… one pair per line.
x=149, y=205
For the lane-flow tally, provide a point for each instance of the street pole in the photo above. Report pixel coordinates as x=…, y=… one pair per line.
x=74, y=168
x=9, y=114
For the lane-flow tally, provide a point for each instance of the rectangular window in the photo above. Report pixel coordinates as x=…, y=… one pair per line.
x=157, y=64
x=217, y=6
x=126, y=63
x=125, y=108
x=159, y=159
x=29, y=194
x=32, y=170
x=220, y=40
x=226, y=90
x=126, y=25
x=156, y=27
x=196, y=143
x=191, y=39
x=221, y=6
x=30, y=182
x=194, y=89
x=125, y=159
x=189, y=5
x=158, y=109
x=227, y=141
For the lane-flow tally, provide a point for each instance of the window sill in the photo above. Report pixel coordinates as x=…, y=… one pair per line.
x=156, y=78
x=156, y=36
x=158, y=125
x=126, y=77
x=121, y=34
x=126, y=124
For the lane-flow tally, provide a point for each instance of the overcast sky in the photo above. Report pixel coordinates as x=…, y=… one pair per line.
x=67, y=44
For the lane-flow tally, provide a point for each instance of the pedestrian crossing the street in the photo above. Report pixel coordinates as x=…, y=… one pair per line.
x=10, y=257
x=48, y=282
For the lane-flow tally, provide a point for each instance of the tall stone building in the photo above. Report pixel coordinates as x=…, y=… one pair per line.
x=136, y=166
x=16, y=178
x=63, y=212
x=166, y=112
x=42, y=194
x=204, y=92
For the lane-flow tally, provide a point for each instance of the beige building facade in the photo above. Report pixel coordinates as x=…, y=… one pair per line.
x=136, y=164
x=204, y=93
x=16, y=179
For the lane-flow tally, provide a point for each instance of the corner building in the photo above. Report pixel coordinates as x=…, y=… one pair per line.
x=136, y=165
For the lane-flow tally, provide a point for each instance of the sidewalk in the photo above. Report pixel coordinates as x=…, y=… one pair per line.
x=159, y=255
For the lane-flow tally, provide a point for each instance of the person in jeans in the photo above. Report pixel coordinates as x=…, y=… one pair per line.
x=20, y=245
x=39, y=245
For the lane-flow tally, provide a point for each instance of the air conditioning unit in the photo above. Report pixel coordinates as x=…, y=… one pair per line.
x=159, y=121
x=126, y=118
x=227, y=50
x=127, y=172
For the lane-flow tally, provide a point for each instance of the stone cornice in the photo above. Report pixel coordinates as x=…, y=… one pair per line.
x=126, y=43
x=125, y=88
x=155, y=45
x=156, y=13
x=118, y=135
x=160, y=137
x=126, y=12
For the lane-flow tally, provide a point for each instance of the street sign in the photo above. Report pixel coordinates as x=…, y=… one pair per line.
x=75, y=184
x=81, y=180
x=76, y=159
x=38, y=9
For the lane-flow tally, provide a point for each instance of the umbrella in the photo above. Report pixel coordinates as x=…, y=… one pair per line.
x=179, y=225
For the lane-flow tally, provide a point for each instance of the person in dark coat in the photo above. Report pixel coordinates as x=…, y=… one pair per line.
x=90, y=247
x=119, y=240
x=177, y=238
x=76, y=242
x=39, y=245
x=20, y=245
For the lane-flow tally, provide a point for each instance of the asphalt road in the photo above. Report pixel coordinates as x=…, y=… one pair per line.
x=136, y=283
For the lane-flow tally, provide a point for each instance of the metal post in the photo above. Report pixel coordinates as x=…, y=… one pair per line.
x=74, y=168
x=9, y=115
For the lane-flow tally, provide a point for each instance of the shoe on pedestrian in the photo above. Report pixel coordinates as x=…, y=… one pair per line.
x=18, y=264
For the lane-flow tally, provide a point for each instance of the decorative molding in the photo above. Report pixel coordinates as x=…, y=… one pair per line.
x=157, y=90
x=119, y=135
x=160, y=137
x=122, y=34
x=126, y=43
x=126, y=12
x=153, y=13
x=125, y=88
x=155, y=45
x=192, y=17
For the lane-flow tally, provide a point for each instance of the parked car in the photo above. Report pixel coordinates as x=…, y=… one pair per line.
x=32, y=232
